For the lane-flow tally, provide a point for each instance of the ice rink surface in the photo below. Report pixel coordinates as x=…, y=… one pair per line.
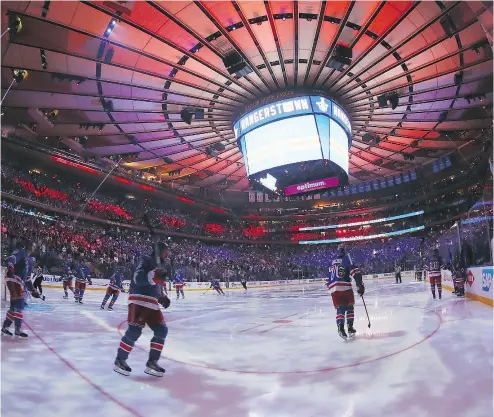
x=257, y=353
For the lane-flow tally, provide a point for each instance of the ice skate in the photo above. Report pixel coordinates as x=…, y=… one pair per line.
x=121, y=367
x=6, y=331
x=20, y=333
x=342, y=333
x=351, y=332
x=65, y=297
x=152, y=368
x=80, y=302
x=102, y=307
x=110, y=308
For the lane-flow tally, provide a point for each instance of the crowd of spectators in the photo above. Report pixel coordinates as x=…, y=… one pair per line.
x=106, y=247
x=50, y=189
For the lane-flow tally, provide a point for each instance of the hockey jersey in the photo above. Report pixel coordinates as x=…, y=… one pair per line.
x=341, y=272
x=434, y=266
x=17, y=266
x=178, y=281
x=79, y=275
x=145, y=288
x=66, y=273
x=116, y=281
x=215, y=283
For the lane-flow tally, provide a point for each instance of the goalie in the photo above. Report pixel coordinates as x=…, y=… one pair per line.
x=145, y=297
x=341, y=272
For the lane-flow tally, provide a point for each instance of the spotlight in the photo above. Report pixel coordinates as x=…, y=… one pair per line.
x=113, y=22
x=19, y=75
x=15, y=25
x=393, y=100
x=283, y=18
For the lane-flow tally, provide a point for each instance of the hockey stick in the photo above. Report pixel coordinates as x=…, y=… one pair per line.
x=366, y=310
x=153, y=238
x=206, y=291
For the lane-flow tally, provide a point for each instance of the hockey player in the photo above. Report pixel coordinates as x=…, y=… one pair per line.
x=341, y=272
x=67, y=280
x=38, y=279
x=80, y=280
x=146, y=296
x=179, y=284
x=398, y=273
x=216, y=285
x=114, y=288
x=434, y=267
x=459, y=280
x=244, y=283
x=16, y=282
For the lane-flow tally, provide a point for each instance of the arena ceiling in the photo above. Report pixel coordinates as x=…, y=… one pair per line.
x=121, y=72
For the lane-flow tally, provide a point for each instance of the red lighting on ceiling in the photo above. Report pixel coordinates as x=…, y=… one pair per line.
x=123, y=180
x=146, y=187
x=218, y=210
x=252, y=216
x=73, y=164
x=186, y=200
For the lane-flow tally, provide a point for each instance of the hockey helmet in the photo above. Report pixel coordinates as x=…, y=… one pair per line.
x=341, y=251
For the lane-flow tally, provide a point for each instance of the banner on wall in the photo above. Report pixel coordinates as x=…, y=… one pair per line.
x=260, y=197
x=252, y=197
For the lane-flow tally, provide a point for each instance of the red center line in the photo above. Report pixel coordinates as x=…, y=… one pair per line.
x=85, y=378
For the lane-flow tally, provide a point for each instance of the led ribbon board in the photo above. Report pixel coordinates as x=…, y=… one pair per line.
x=306, y=128
x=362, y=223
x=357, y=238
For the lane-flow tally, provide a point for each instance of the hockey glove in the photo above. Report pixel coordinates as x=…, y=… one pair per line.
x=10, y=272
x=361, y=290
x=159, y=275
x=164, y=301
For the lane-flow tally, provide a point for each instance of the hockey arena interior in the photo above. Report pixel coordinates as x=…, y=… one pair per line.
x=247, y=208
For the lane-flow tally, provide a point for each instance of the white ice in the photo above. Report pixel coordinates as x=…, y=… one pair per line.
x=257, y=353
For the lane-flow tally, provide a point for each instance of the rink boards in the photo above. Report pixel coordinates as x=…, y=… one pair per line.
x=477, y=287
x=54, y=281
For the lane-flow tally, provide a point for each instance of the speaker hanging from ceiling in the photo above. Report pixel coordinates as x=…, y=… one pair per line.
x=186, y=116
x=234, y=64
x=342, y=55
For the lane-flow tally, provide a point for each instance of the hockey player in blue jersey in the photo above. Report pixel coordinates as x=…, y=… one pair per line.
x=114, y=288
x=341, y=272
x=216, y=285
x=434, y=267
x=179, y=283
x=16, y=284
x=80, y=279
x=67, y=280
x=145, y=297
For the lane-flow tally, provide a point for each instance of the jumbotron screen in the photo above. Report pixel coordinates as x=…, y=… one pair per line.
x=302, y=129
